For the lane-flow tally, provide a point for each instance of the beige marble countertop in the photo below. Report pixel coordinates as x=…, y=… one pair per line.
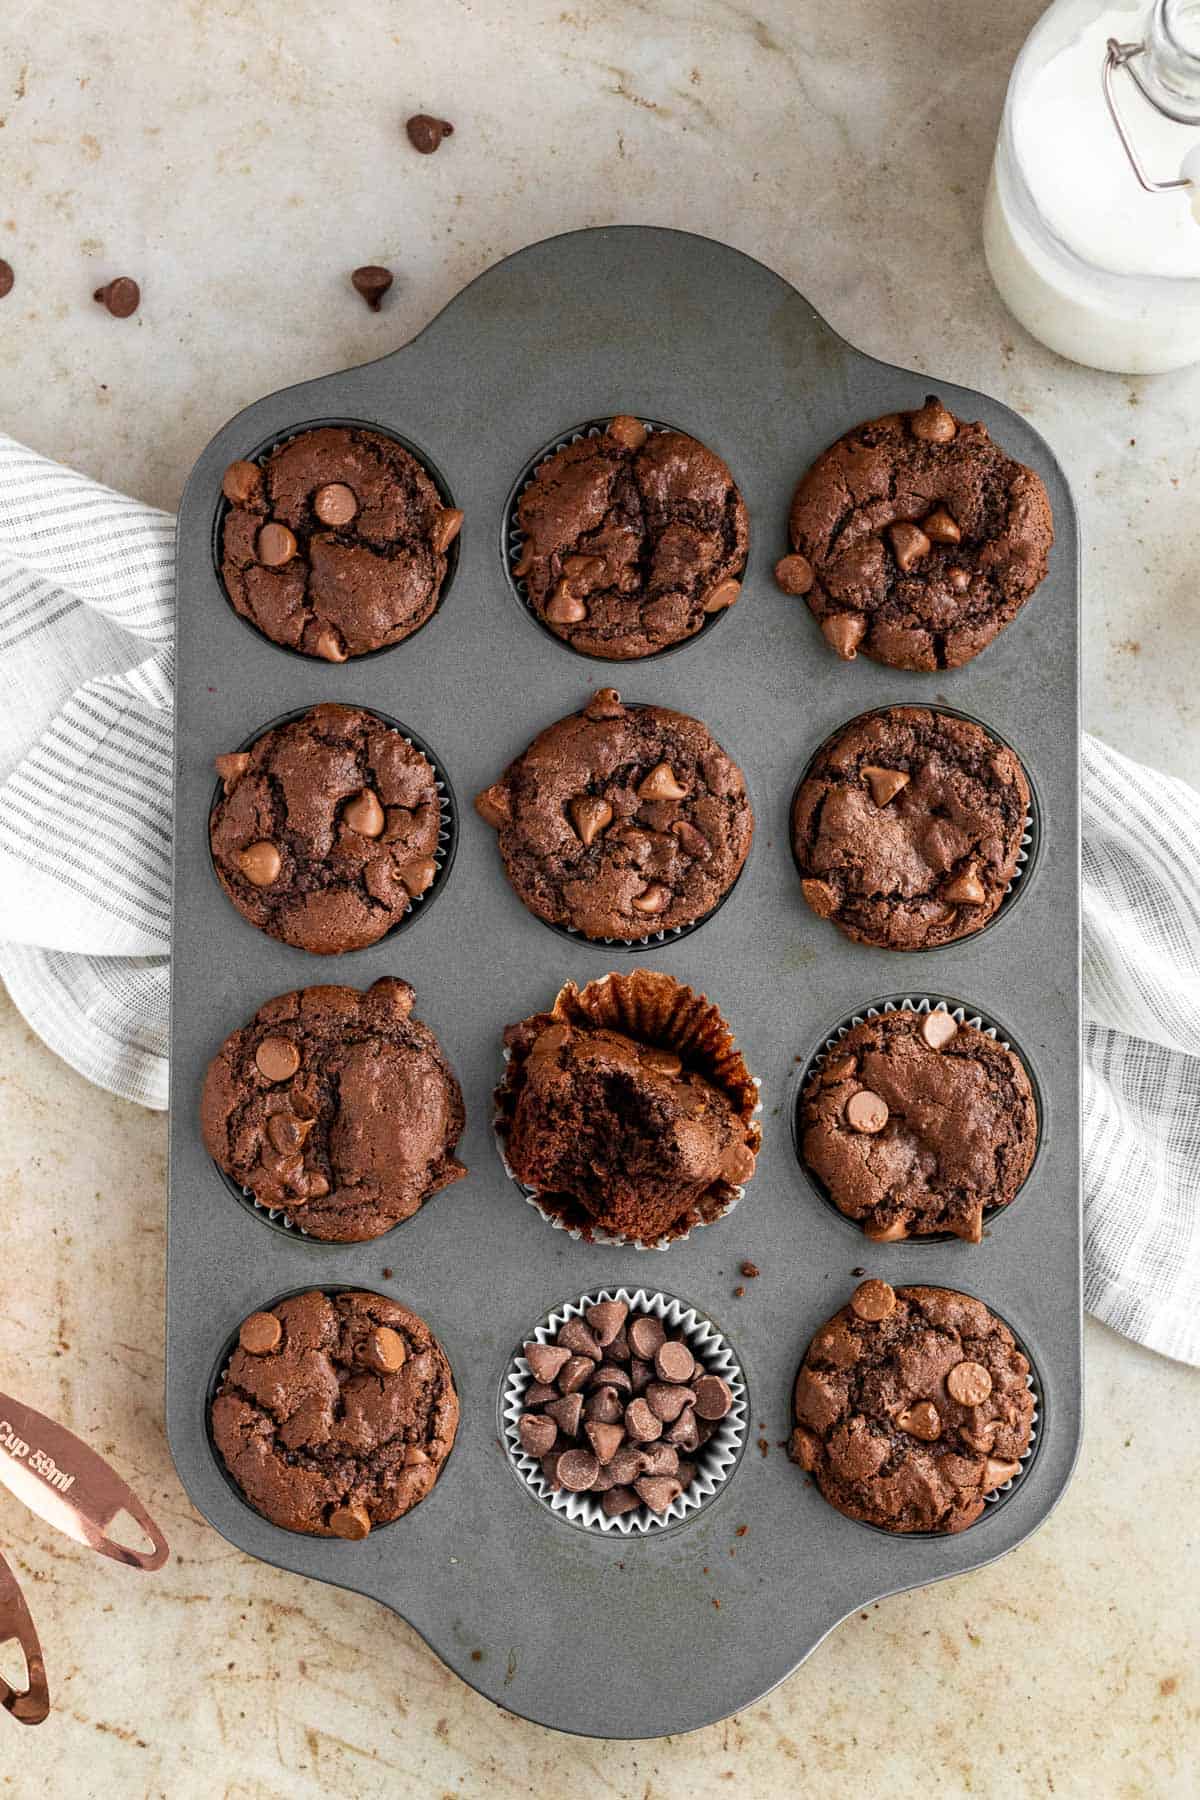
x=239, y=157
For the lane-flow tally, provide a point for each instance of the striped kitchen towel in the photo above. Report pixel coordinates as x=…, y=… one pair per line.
x=86, y=619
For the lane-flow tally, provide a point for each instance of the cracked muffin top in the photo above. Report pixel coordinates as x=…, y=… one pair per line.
x=916, y=539
x=336, y=1413
x=915, y=1124
x=907, y=828
x=336, y=1107
x=335, y=543
x=911, y=1406
x=632, y=540
x=620, y=821
x=327, y=829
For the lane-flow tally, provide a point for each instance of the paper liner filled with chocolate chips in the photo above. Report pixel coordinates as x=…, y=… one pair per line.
x=626, y=1412
x=627, y=1114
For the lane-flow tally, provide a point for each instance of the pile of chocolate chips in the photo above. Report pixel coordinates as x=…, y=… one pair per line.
x=616, y=1406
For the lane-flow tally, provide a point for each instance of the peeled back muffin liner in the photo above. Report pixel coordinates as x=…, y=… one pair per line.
x=962, y=1014
x=1028, y=847
x=715, y=1461
x=444, y=850
x=671, y=933
x=259, y=456
x=512, y=539
x=657, y=1010
x=993, y=1500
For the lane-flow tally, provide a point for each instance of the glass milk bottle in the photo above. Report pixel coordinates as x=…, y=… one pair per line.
x=1092, y=221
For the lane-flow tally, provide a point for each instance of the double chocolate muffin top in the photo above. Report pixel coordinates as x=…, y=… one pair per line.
x=337, y=1108
x=917, y=540
x=912, y=1405
x=336, y=1413
x=620, y=821
x=907, y=828
x=327, y=829
x=335, y=544
x=915, y=1124
x=633, y=539
x=627, y=1110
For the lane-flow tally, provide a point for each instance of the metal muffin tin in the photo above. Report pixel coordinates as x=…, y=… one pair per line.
x=667, y=326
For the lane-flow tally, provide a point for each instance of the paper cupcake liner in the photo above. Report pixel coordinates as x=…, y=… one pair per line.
x=653, y=1009
x=715, y=1461
x=993, y=1501
x=512, y=538
x=962, y=1014
x=277, y=442
x=1028, y=847
x=447, y=839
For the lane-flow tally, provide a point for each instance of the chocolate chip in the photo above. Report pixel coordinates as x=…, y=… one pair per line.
x=372, y=281
x=446, y=529
x=641, y=1424
x=866, y=1111
x=645, y=1334
x=352, y=1522
x=260, y=1334
x=619, y=1500
x=567, y=1413
x=873, y=1301
x=844, y=632
x=275, y=545
x=577, y=1469
x=794, y=574
x=590, y=815
x=607, y=1316
x=365, y=815
x=969, y=1383
x=658, y=1491
x=909, y=545
x=231, y=768
x=335, y=503
x=685, y=1432
x=260, y=864
x=966, y=889
x=885, y=784
x=418, y=876
x=277, y=1059
x=425, y=133
x=574, y=1373
x=6, y=279
x=537, y=1434
x=286, y=1133
x=121, y=296
x=242, y=483
x=750, y=1271
x=537, y=1393
x=933, y=424
x=639, y=1374
x=545, y=1360
x=660, y=1459
x=921, y=1421
x=330, y=646
x=384, y=1350
x=564, y=608
x=667, y=1402
x=941, y=528
x=629, y=432
x=605, y=1439
x=673, y=1361
x=609, y=1375
x=937, y=1029
x=713, y=1397
x=576, y=1337
x=996, y=1473
x=660, y=784
x=722, y=595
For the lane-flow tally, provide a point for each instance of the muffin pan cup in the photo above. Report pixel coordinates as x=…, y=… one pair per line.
x=678, y=328
x=715, y=1461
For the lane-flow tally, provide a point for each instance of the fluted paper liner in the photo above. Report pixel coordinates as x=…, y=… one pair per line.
x=655, y=1009
x=715, y=1461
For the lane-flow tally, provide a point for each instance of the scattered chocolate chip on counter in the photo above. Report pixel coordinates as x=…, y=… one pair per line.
x=750, y=1271
x=617, y=1407
x=372, y=282
x=6, y=279
x=122, y=296
x=425, y=133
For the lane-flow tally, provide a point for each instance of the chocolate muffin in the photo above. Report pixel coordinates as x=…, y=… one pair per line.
x=633, y=540
x=912, y=1405
x=917, y=540
x=327, y=830
x=626, y=1111
x=621, y=820
x=335, y=543
x=336, y=1412
x=914, y=1124
x=337, y=1108
x=907, y=827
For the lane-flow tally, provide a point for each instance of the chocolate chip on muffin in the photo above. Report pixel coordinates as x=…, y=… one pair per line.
x=915, y=1124
x=620, y=821
x=327, y=829
x=632, y=540
x=336, y=1107
x=907, y=828
x=627, y=1416
x=627, y=1110
x=339, y=547
x=336, y=1413
x=911, y=1406
x=917, y=540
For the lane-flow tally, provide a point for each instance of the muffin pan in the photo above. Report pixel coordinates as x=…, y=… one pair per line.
x=581, y=327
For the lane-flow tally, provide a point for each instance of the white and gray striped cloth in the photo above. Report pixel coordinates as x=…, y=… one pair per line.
x=86, y=622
